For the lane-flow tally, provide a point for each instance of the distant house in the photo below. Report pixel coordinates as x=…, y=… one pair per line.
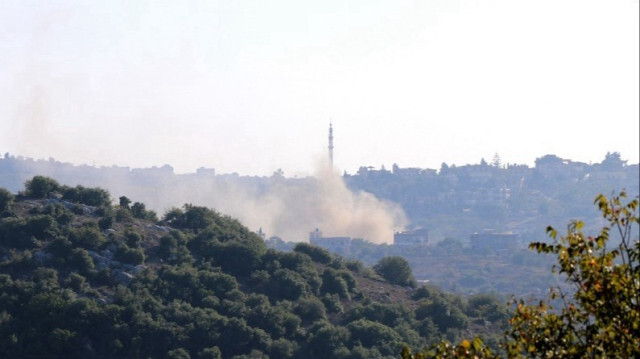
x=205, y=172
x=413, y=172
x=490, y=241
x=332, y=244
x=416, y=237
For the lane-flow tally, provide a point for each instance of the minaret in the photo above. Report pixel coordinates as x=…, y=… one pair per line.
x=331, y=144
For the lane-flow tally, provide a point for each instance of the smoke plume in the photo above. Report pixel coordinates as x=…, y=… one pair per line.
x=289, y=208
x=324, y=202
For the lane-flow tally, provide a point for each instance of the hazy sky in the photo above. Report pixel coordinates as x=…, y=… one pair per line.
x=251, y=86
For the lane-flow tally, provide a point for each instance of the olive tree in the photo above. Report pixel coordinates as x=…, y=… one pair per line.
x=40, y=187
x=395, y=270
x=599, y=317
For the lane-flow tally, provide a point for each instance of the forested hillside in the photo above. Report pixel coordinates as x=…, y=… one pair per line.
x=84, y=277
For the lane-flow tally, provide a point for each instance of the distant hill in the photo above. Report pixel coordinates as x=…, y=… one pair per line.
x=82, y=277
x=452, y=202
x=456, y=201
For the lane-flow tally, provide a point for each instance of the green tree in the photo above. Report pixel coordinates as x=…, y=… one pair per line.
x=130, y=255
x=287, y=284
x=89, y=196
x=395, y=270
x=324, y=339
x=81, y=260
x=333, y=282
x=318, y=254
x=443, y=313
x=87, y=237
x=139, y=210
x=310, y=309
x=6, y=200
x=123, y=215
x=602, y=317
x=598, y=318
x=371, y=334
x=40, y=187
x=210, y=353
x=191, y=217
x=488, y=306
x=61, y=214
x=281, y=348
x=124, y=202
x=106, y=222
x=179, y=353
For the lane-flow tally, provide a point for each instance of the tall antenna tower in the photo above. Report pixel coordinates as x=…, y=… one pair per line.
x=331, y=144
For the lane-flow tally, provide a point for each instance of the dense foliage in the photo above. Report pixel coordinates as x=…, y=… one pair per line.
x=599, y=318
x=456, y=266
x=395, y=270
x=82, y=277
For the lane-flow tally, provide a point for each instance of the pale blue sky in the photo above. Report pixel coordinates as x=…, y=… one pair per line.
x=250, y=86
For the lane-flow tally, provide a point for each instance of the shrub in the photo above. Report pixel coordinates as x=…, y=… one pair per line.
x=105, y=222
x=282, y=348
x=424, y=292
x=287, y=284
x=324, y=339
x=61, y=214
x=133, y=239
x=123, y=215
x=81, y=260
x=128, y=255
x=179, y=353
x=167, y=247
x=6, y=200
x=443, y=314
x=124, y=202
x=318, y=254
x=138, y=210
x=86, y=237
x=371, y=334
x=332, y=283
x=310, y=309
x=40, y=187
x=395, y=270
x=88, y=196
x=29, y=233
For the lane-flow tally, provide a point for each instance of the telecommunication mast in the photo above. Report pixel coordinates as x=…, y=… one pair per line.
x=331, y=144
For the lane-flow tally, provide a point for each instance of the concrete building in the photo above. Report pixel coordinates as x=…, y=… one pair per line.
x=332, y=244
x=416, y=237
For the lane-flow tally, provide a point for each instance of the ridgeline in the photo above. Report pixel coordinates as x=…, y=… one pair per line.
x=82, y=277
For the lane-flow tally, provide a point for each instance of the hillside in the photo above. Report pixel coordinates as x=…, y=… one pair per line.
x=451, y=202
x=81, y=277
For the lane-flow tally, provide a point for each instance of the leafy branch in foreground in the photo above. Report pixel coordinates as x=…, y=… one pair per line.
x=601, y=318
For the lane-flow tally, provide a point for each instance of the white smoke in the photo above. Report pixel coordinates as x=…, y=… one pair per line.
x=325, y=202
x=287, y=208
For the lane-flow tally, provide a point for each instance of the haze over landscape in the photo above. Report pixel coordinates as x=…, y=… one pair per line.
x=312, y=180
x=250, y=87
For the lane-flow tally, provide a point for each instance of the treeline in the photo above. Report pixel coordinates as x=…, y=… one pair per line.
x=456, y=201
x=456, y=266
x=82, y=277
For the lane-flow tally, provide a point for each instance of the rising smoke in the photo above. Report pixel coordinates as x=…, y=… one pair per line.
x=289, y=208
x=326, y=203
